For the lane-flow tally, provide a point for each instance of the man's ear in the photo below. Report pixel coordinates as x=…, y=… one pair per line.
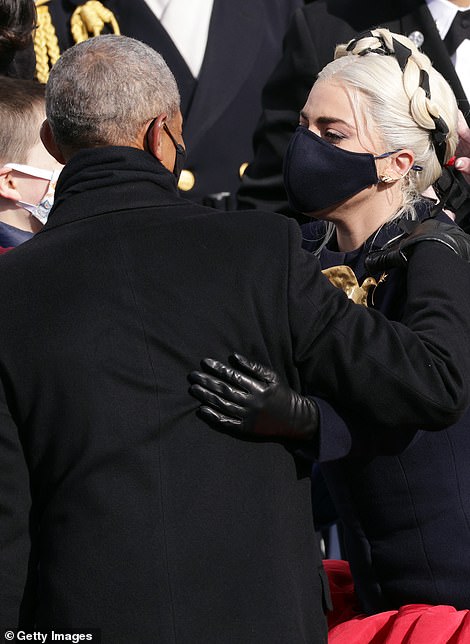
x=8, y=185
x=49, y=143
x=154, y=137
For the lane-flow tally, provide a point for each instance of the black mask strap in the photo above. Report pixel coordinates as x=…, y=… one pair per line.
x=180, y=153
x=178, y=147
x=180, y=150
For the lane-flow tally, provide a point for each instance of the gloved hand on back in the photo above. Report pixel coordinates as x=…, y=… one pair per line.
x=250, y=398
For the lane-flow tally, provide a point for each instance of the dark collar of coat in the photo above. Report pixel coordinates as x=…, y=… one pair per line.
x=100, y=180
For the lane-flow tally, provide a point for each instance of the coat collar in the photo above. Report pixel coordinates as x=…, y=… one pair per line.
x=100, y=180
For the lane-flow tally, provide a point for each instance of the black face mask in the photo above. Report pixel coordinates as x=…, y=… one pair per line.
x=180, y=150
x=180, y=153
x=318, y=175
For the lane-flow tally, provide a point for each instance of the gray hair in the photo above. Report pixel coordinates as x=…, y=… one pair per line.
x=102, y=92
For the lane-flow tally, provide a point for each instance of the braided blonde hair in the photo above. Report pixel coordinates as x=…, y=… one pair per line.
x=406, y=107
x=87, y=20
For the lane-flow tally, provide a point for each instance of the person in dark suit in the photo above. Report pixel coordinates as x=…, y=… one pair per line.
x=120, y=510
x=402, y=496
x=309, y=45
x=244, y=42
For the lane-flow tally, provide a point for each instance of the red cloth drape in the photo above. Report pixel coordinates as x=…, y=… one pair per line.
x=410, y=624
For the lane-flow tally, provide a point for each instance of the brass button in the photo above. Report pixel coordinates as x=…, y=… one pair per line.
x=186, y=181
x=242, y=169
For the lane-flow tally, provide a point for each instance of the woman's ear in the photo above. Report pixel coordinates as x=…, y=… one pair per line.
x=50, y=144
x=402, y=162
x=8, y=188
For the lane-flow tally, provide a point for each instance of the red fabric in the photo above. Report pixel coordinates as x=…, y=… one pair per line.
x=411, y=624
x=343, y=597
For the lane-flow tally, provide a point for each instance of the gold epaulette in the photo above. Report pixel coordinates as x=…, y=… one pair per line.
x=46, y=45
x=90, y=19
x=87, y=20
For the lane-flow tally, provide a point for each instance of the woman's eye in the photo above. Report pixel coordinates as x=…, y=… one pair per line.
x=333, y=137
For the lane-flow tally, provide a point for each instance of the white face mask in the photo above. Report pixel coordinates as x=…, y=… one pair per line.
x=42, y=209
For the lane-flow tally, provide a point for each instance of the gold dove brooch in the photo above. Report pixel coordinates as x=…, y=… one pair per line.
x=343, y=277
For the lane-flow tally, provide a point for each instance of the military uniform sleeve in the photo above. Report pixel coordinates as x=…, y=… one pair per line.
x=283, y=97
x=14, y=520
x=372, y=370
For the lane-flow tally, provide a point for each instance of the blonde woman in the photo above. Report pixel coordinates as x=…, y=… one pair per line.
x=375, y=132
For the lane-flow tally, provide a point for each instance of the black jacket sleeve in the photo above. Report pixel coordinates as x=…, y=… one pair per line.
x=372, y=370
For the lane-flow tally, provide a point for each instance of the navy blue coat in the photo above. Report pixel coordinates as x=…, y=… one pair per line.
x=403, y=497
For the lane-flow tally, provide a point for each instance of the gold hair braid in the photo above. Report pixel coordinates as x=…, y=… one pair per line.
x=90, y=19
x=46, y=45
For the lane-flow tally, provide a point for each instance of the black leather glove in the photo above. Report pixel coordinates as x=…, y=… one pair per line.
x=251, y=399
x=453, y=191
x=428, y=230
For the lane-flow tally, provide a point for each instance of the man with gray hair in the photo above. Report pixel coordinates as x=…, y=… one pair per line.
x=120, y=510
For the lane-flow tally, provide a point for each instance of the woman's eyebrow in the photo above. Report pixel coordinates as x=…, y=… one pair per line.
x=324, y=119
x=332, y=119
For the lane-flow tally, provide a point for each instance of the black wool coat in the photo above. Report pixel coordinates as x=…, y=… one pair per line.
x=119, y=508
x=403, y=497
